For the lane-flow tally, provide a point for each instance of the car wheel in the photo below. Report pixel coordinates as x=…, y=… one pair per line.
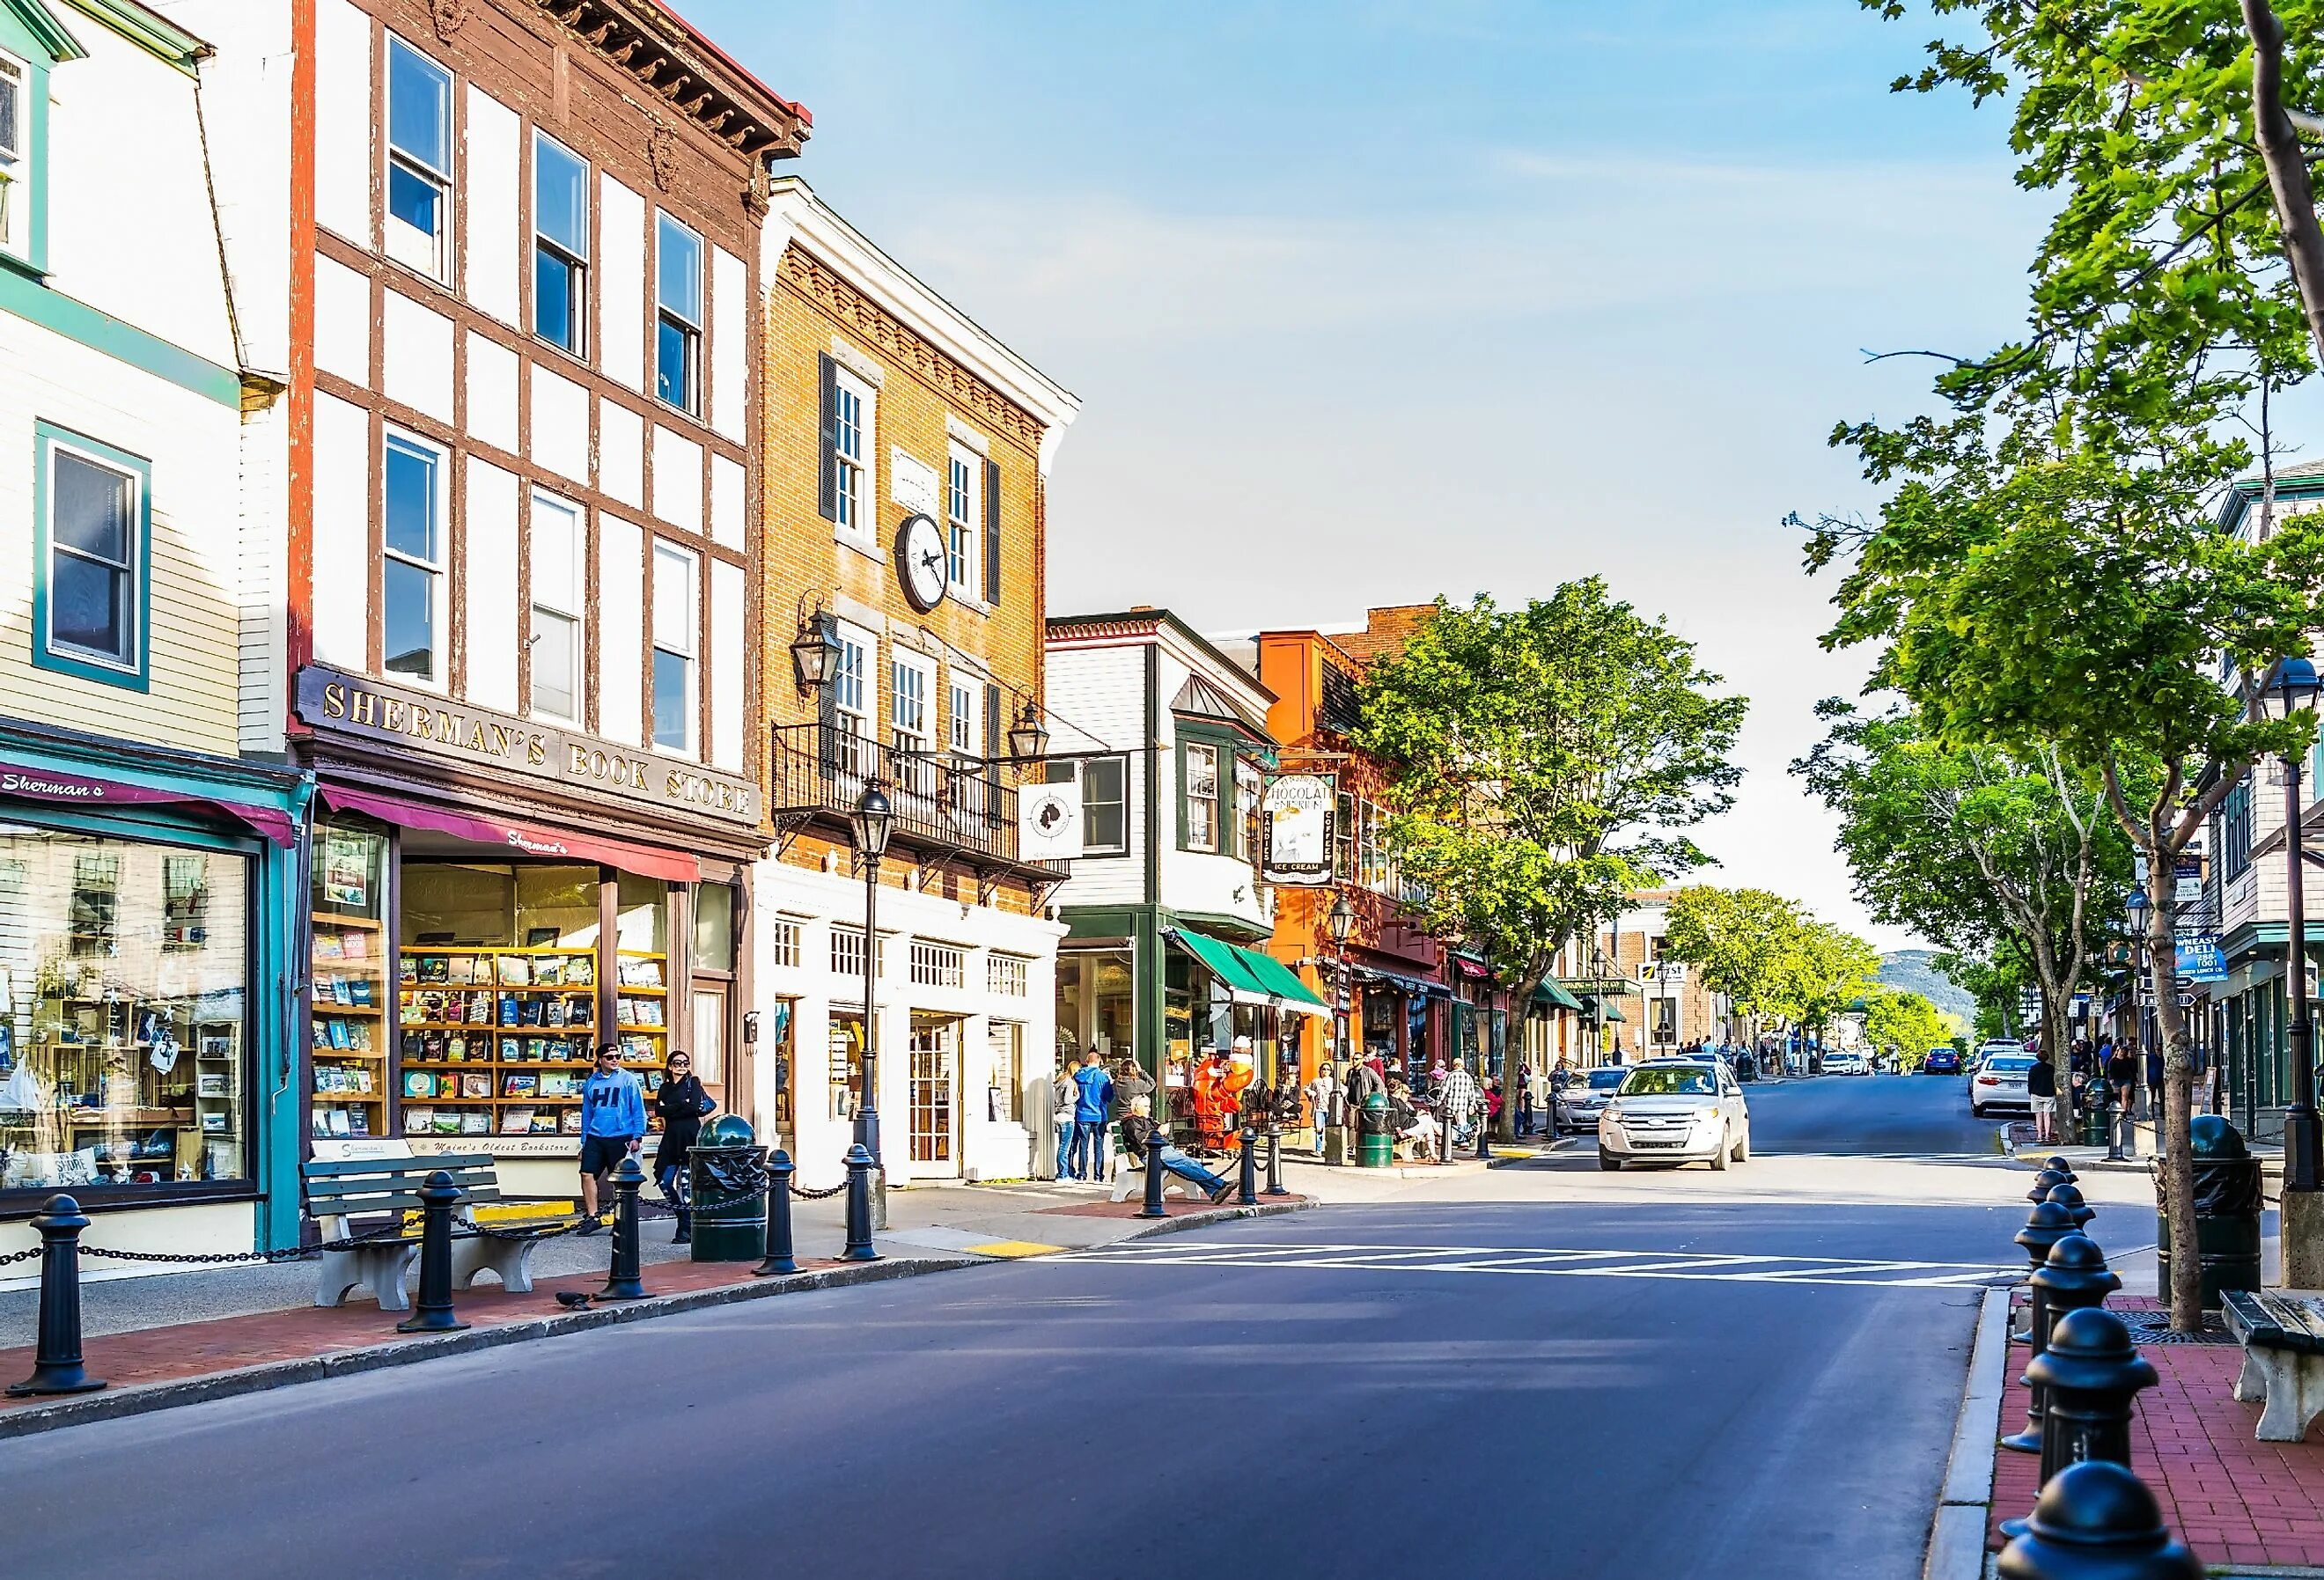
x=1608, y=1162
x=1743, y=1147
x=1975, y=1111
x=1718, y=1158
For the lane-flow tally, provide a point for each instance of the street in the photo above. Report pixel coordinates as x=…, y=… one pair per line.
x=1668, y=1374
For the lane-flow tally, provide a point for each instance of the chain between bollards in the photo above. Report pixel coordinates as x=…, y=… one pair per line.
x=780, y=1257
x=622, y=1280
x=432, y=1312
x=56, y=1357
x=1152, y=1207
x=859, y=1206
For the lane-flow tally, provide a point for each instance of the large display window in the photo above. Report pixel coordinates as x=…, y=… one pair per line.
x=124, y=970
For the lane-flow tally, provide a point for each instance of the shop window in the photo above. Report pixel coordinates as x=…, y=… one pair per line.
x=933, y=1076
x=1344, y=838
x=1006, y=974
x=675, y=618
x=1202, y=797
x=349, y=1029
x=122, y=1042
x=709, y=1030
x=844, y=1070
x=412, y=575
x=1006, y=1043
x=936, y=964
x=677, y=334
x=91, y=594
x=419, y=160
x=560, y=245
x=783, y=943
x=713, y=926
x=559, y=540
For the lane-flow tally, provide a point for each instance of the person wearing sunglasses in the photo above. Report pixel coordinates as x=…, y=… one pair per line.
x=681, y=1104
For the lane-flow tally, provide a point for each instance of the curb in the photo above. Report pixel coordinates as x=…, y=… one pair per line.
x=1965, y=1502
x=143, y=1398
x=1272, y=1209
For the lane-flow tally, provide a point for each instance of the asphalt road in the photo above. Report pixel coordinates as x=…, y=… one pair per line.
x=1868, y=1116
x=1670, y=1386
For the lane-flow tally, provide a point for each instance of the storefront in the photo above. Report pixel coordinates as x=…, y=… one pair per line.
x=144, y=900
x=1394, y=1017
x=489, y=900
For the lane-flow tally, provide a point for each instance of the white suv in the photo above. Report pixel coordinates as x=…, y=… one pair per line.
x=1675, y=1111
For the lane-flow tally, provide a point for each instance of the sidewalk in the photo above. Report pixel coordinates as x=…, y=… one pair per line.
x=173, y=1339
x=2232, y=1499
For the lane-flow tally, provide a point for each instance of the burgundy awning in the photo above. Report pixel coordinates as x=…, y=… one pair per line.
x=48, y=788
x=523, y=839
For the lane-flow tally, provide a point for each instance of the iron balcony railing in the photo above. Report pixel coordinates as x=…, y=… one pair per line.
x=945, y=802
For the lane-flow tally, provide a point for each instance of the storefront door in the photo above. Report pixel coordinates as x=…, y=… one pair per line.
x=935, y=1080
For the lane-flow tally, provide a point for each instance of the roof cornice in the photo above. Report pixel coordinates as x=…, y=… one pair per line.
x=693, y=76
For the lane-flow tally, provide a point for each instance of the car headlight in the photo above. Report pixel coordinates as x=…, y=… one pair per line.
x=1612, y=1111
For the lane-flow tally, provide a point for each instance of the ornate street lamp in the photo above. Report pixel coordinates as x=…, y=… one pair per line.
x=813, y=651
x=2139, y=908
x=1341, y=922
x=2292, y=688
x=1028, y=740
x=869, y=825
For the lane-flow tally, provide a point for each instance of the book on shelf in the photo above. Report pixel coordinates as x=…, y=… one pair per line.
x=519, y=1085
x=355, y=945
x=570, y=1122
x=447, y=1121
x=338, y=1123
x=460, y=970
x=543, y=1124
x=480, y=1008
x=407, y=970
x=419, y=1122
x=359, y=1037
x=433, y=969
x=341, y=993
x=477, y=1084
x=549, y=972
x=215, y=1123
x=359, y=992
x=328, y=945
x=511, y=1049
x=456, y=1048
x=213, y=1084
x=515, y=971
x=418, y=1084
x=475, y=1121
x=641, y=974
x=338, y=1033
x=559, y=1084
x=410, y=1043
x=318, y=1035
x=358, y=1121
x=581, y=971
x=516, y=1122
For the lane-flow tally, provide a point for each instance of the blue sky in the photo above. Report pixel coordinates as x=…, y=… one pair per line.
x=1370, y=301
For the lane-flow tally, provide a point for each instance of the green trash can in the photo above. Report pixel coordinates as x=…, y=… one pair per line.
x=2227, y=1211
x=726, y=1175
x=1375, y=1134
x=2090, y=1119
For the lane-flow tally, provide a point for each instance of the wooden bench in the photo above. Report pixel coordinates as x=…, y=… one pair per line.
x=342, y=1189
x=2283, y=1361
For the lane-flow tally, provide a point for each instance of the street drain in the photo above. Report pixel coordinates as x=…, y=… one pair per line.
x=2153, y=1327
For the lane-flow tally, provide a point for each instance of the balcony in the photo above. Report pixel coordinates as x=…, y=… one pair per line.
x=944, y=805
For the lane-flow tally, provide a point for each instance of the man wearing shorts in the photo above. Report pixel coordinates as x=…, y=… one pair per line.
x=2042, y=1092
x=613, y=1124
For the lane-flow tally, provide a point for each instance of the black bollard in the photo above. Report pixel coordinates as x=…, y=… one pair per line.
x=2056, y=1163
x=780, y=1257
x=859, y=1206
x=2046, y=1226
x=2070, y=1197
x=432, y=1311
x=2072, y=1278
x=1275, y=1158
x=1484, y=1134
x=2097, y=1522
x=2047, y=1180
x=56, y=1356
x=622, y=1280
x=1247, y=1187
x=1153, y=1171
x=2088, y=1375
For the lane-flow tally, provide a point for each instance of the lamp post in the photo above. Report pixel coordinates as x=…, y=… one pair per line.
x=1597, y=1004
x=869, y=824
x=2291, y=687
x=1341, y=922
x=2139, y=909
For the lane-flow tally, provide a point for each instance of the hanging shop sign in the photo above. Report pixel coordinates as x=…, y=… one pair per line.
x=1049, y=817
x=1295, y=817
x=478, y=738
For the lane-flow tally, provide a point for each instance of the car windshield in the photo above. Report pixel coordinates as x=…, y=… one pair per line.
x=1666, y=1082
x=1605, y=1080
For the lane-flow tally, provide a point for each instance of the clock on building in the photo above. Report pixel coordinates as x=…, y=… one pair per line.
x=920, y=561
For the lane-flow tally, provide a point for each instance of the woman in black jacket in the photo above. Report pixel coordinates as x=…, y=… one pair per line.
x=681, y=1104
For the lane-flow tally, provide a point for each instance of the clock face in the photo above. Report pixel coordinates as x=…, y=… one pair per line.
x=920, y=561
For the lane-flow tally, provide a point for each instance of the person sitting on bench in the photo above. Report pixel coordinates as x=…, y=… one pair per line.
x=1135, y=1128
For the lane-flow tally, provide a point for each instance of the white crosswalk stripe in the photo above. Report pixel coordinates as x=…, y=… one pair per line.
x=1556, y=1262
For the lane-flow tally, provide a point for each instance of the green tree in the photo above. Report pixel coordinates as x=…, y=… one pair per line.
x=1824, y=970
x=1973, y=847
x=1740, y=941
x=1548, y=762
x=1996, y=982
x=1903, y=1026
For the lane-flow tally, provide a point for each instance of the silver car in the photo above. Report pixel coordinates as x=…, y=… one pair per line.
x=2000, y=1083
x=1585, y=1099
x=1675, y=1111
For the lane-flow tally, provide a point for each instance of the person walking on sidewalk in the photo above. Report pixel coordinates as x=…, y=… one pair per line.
x=2122, y=1081
x=1092, y=1105
x=1323, y=1098
x=2041, y=1093
x=1457, y=1101
x=612, y=1125
x=681, y=1103
x=1062, y=1095
x=1136, y=1129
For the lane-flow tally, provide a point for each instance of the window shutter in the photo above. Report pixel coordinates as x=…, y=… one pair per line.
x=993, y=533
x=827, y=458
x=996, y=746
x=826, y=728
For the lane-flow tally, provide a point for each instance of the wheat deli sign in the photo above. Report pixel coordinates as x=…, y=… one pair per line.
x=479, y=738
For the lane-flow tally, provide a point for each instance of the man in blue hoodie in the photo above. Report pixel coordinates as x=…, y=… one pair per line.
x=1090, y=1111
x=613, y=1124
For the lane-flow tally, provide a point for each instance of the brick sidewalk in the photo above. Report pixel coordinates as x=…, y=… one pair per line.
x=2228, y=1496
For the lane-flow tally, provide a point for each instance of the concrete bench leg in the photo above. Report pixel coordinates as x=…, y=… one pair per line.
x=509, y=1261
x=1131, y=1181
x=382, y=1269
x=2295, y=1397
x=2251, y=1382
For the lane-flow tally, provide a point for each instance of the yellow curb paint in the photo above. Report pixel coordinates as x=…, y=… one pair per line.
x=1014, y=1248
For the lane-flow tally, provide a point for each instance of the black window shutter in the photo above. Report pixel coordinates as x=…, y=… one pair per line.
x=995, y=736
x=993, y=533
x=826, y=730
x=827, y=458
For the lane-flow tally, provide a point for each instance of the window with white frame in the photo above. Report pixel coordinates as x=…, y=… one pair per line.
x=965, y=719
x=419, y=160
x=1005, y=1039
x=560, y=244
x=1105, y=806
x=960, y=529
x=1202, y=797
x=15, y=154
x=850, y=696
x=411, y=569
x=557, y=540
x=677, y=619
x=1250, y=789
x=1007, y=976
x=847, y=953
x=852, y=429
x=93, y=589
x=678, y=332
x=783, y=942
x=937, y=964
x=908, y=703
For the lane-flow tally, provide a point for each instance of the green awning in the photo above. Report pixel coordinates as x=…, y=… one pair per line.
x=1556, y=997
x=1249, y=973
x=1612, y=1013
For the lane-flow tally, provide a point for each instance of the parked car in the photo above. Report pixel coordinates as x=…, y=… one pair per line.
x=1942, y=1061
x=1585, y=1098
x=1840, y=1062
x=2000, y=1083
x=1989, y=1050
x=1675, y=1111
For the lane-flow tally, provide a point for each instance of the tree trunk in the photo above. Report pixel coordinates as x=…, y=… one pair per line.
x=2056, y=1044
x=2287, y=167
x=2173, y=1141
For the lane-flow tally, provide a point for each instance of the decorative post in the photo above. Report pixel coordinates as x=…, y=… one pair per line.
x=432, y=1311
x=622, y=1280
x=56, y=1355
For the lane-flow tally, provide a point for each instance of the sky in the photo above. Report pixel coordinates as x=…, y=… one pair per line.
x=1373, y=300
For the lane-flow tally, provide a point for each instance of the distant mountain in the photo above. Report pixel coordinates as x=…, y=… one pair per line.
x=1915, y=970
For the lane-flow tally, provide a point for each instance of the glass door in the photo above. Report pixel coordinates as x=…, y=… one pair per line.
x=936, y=1067
x=709, y=1047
